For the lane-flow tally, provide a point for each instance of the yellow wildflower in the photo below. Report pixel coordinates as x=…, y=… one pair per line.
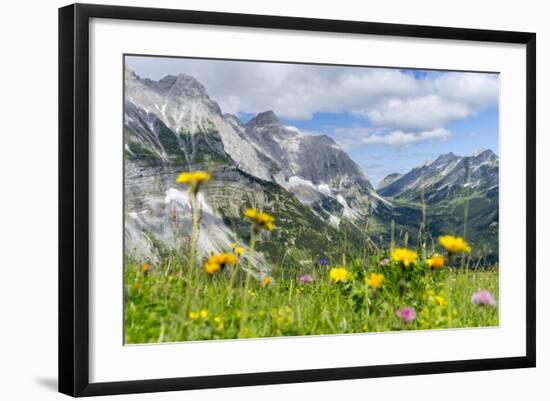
x=193, y=315
x=218, y=262
x=145, y=268
x=454, y=244
x=227, y=259
x=405, y=256
x=260, y=219
x=203, y=313
x=219, y=321
x=436, y=262
x=266, y=281
x=339, y=274
x=440, y=300
x=375, y=280
x=238, y=250
x=211, y=268
x=137, y=286
x=251, y=213
x=194, y=179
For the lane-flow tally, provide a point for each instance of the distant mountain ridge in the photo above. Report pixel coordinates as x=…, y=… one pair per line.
x=446, y=177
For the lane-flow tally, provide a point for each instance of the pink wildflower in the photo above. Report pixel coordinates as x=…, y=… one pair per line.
x=406, y=314
x=483, y=298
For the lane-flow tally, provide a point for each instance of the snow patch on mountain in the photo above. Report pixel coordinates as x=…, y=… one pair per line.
x=293, y=129
x=348, y=211
x=324, y=189
x=334, y=221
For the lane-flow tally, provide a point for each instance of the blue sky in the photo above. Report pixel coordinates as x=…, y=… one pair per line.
x=388, y=120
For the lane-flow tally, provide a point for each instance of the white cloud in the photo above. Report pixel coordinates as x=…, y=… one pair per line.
x=388, y=98
x=350, y=137
x=443, y=98
x=418, y=113
x=402, y=139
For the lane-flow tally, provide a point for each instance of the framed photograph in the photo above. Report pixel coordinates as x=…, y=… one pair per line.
x=251, y=199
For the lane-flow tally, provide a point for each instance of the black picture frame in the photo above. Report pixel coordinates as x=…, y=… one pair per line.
x=74, y=198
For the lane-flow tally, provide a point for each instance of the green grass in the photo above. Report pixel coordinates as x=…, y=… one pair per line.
x=165, y=304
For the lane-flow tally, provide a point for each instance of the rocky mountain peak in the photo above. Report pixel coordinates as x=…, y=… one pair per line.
x=325, y=139
x=264, y=118
x=178, y=85
x=447, y=157
x=485, y=155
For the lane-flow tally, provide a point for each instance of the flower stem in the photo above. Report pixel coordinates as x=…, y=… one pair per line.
x=451, y=300
x=194, y=230
x=244, y=312
x=367, y=306
x=232, y=283
x=252, y=247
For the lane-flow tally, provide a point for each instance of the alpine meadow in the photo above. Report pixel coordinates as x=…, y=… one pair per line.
x=273, y=199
